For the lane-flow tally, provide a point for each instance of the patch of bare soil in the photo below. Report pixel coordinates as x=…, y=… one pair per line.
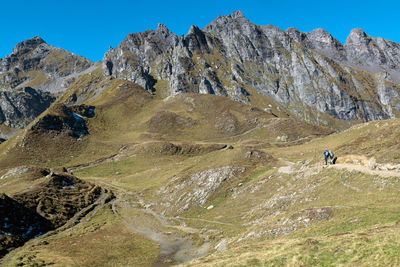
x=367, y=165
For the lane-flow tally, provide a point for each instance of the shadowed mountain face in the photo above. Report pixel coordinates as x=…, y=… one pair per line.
x=233, y=57
x=30, y=79
x=20, y=106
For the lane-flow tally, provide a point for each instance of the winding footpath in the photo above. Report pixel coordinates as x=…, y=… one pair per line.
x=365, y=169
x=174, y=248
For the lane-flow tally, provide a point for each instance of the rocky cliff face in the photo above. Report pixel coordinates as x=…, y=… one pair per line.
x=36, y=64
x=311, y=74
x=20, y=106
x=31, y=77
x=376, y=53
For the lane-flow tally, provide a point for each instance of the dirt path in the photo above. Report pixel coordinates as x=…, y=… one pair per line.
x=365, y=169
x=203, y=220
x=139, y=218
x=117, y=156
x=230, y=137
x=290, y=168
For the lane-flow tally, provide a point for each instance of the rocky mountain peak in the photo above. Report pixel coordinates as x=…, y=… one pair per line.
x=193, y=30
x=232, y=55
x=237, y=14
x=34, y=58
x=321, y=40
x=321, y=35
x=296, y=34
x=162, y=29
x=30, y=78
x=226, y=22
x=28, y=45
x=372, y=53
x=357, y=36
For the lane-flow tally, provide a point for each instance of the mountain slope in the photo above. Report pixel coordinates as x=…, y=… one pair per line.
x=307, y=73
x=30, y=79
x=226, y=172
x=235, y=192
x=36, y=64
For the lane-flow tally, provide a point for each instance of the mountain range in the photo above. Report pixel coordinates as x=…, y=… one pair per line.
x=309, y=75
x=203, y=150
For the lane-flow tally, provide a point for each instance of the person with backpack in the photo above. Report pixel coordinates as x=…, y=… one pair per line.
x=326, y=156
x=331, y=156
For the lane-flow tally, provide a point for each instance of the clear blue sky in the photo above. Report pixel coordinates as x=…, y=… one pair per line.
x=88, y=27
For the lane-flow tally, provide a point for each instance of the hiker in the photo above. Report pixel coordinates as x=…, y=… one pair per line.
x=326, y=155
x=331, y=156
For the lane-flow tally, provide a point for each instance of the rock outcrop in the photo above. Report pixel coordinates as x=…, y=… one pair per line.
x=375, y=54
x=311, y=74
x=30, y=79
x=61, y=118
x=36, y=64
x=20, y=106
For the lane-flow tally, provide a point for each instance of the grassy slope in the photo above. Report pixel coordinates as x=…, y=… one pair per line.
x=246, y=207
x=364, y=227
x=103, y=241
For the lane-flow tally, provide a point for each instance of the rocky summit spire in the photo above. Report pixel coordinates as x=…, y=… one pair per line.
x=163, y=31
x=29, y=44
x=322, y=39
x=161, y=27
x=356, y=36
x=193, y=29
x=237, y=14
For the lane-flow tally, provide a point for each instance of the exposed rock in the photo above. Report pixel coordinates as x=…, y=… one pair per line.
x=30, y=78
x=63, y=118
x=19, y=107
x=36, y=64
x=374, y=52
x=282, y=138
x=310, y=73
x=182, y=193
x=286, y=225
